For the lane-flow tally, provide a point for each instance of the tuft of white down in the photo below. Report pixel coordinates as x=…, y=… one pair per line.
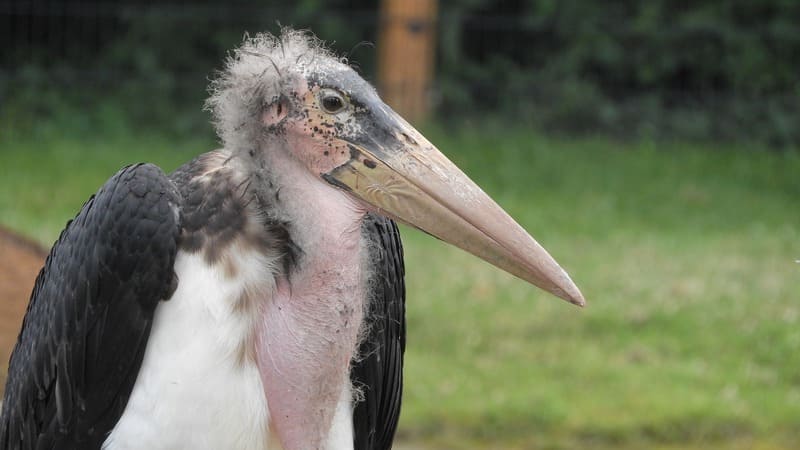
x=256, y=74
x=194, y=389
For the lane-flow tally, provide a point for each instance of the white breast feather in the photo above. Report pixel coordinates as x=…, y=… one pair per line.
x=194, y=390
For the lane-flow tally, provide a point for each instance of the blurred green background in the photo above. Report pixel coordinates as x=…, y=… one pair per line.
x=652, y=146
x=703, y=70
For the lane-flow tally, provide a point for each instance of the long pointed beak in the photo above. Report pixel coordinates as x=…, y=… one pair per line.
x=410, y=180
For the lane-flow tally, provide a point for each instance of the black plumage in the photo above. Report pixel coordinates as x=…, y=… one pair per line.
x=378, y=369
x=90, y=313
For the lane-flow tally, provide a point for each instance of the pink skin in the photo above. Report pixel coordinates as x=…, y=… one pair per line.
x=309, y=330
x=314, y=143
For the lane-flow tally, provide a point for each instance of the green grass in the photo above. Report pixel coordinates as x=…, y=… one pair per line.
x=685, y=253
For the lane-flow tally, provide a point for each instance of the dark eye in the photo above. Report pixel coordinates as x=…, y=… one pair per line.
x=332, y=101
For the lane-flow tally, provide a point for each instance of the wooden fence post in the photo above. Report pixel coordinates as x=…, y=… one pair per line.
x=406, y=50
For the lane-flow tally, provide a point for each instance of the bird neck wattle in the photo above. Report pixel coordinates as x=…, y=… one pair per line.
x=308, y=331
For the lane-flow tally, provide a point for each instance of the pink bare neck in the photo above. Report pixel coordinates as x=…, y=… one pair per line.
x=308, y=330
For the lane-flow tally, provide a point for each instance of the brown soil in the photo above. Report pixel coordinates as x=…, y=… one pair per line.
x=20, y=262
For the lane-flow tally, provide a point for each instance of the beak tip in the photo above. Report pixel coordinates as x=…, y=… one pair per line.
x=567, y=290
x=573, y=296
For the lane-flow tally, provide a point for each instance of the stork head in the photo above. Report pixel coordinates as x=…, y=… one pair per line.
x=293, y=89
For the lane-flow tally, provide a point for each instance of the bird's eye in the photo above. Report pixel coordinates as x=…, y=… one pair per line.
x=332, y=101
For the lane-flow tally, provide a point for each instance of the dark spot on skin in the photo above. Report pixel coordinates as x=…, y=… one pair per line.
x=369, y=163
x=326, y=153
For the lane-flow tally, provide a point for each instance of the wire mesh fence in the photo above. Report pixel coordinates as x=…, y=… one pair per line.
x=653, y=68
x=52, y=33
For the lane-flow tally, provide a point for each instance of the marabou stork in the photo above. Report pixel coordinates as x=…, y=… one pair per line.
x=254, y=298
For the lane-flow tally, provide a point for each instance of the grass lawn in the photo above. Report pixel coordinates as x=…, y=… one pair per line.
x=685, y=253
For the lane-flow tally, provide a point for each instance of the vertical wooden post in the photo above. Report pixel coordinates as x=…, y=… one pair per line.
x=406, y=50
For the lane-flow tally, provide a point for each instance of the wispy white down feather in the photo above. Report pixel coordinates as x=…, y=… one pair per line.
x=255, y=75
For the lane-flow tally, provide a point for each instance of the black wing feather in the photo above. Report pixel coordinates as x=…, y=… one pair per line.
x=378, y=369
x=88, y=320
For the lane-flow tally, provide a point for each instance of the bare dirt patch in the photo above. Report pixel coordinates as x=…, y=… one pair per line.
x=20, y=262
